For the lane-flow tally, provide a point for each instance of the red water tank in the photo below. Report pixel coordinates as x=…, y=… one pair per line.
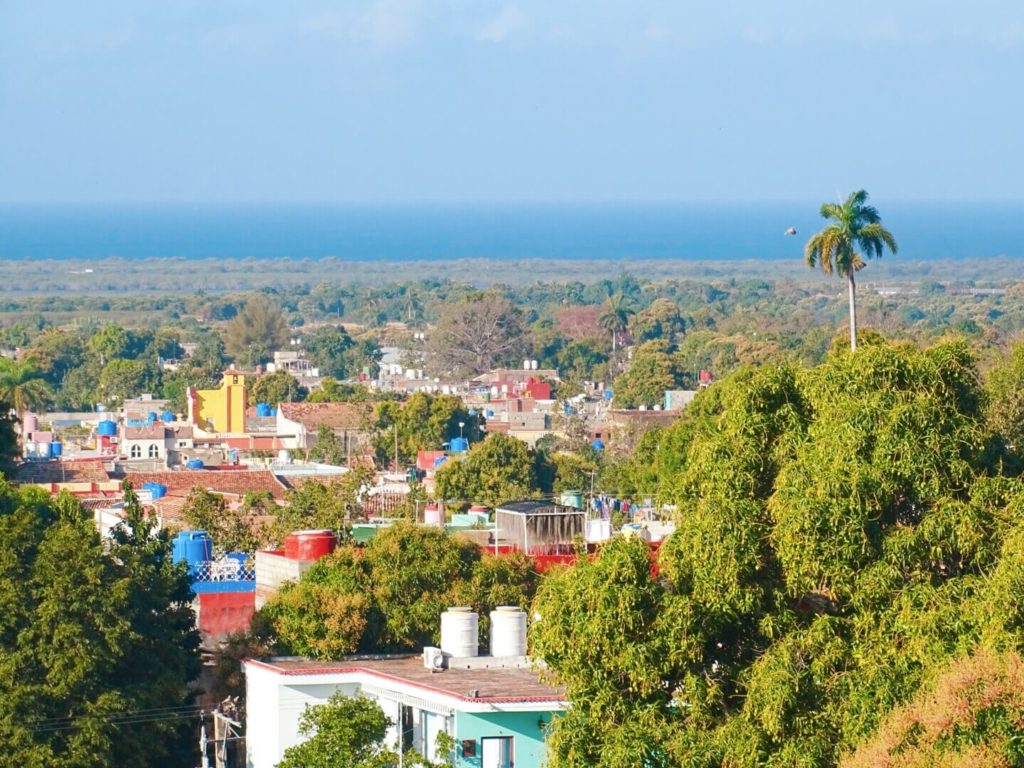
x=309, y=545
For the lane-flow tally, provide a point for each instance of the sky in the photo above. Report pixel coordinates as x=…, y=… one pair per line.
x=231, y=101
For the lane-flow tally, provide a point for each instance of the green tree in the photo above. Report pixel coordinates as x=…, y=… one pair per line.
x=425, y=422
x=122, y=379
x=345, y=732
x=332, y=505
x=256, y=332
x=327, y=348
x=276, y=388
x=615, y=317
x=57, y=352
x=328, y=447
x=232, y=528
x=23, y=387
x=652, y=371
x=854, y=225
x=95, y=639
x=497, y=469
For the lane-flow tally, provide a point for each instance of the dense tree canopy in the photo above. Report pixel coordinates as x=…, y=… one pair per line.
x=97, y=643
x=499, y=468
x=477, y=334
x=843, y=532
x=390, y=595
x=256, y=332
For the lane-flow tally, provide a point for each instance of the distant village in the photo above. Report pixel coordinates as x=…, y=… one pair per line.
x=490, y=700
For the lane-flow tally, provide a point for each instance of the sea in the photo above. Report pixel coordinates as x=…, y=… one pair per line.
x=431, y=232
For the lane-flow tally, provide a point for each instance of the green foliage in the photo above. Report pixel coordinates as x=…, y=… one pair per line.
x=121, y=379
x=390, y=595
x=276, y=388
x=328, y=447
x=497, y=469
x=232, y=528
x=23, y=387
x=256, y=332
x=327, y=348
x=842, y=533
x=652, y=371
x=345, y=732
x=90, y=636
x=333, y=505
x=425, y=423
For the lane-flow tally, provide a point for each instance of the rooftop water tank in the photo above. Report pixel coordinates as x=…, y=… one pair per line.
x=192, y=547
x=460, y=634
x=508, y=631
x=460, y=445
x=107, y=428
x=56, y=449
x=194, y=464
x=598, y=444
x=310, y=545
x=45, y=450
x=156, y=490
x=151, y=417
x=262, y=409
x=167, y=417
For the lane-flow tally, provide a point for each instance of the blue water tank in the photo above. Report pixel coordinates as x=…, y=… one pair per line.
x=45, y=450
x=273, y=411
x=597, y=445
x=56, y=449
x=192, y=547
x=156, y=490
x=262, y=409
x=608, y=394
x=167, y=417
x=194, y=464
x=107, y=428
x=233, y=453
x=151, y=417
x=460, y=445
x=489, y=413
x=439, y=461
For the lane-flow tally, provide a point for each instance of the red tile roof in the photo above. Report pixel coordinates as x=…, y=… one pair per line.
x=334, y=415
x=232, y=481
x=63, y=471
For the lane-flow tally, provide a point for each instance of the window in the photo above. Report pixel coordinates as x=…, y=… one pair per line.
x=234, y=379
x=136, y=452
x=497, y=752
x=154, y=451
x=182, y=444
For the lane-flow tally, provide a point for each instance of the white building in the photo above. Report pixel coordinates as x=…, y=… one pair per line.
x=496, y=708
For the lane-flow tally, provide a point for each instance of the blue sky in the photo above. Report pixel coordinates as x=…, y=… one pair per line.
x=452, y=100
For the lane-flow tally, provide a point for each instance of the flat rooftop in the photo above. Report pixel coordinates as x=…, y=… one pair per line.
x=494, y=685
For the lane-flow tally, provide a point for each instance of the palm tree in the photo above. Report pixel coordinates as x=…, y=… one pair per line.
x=22, y=386
x=854, y=225
x=615, y=318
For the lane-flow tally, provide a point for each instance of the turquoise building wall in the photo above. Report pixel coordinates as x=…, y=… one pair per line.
x=529, y=749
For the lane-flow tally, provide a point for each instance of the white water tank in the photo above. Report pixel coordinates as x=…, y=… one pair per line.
x=508, y=631
x=460, y=634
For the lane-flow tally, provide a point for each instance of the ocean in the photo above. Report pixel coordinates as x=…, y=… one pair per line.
x=433, y=232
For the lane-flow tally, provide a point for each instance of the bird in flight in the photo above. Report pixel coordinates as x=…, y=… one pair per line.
x=791, y=231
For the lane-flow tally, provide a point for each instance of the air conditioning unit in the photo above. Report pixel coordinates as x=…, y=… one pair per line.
x=433, y=659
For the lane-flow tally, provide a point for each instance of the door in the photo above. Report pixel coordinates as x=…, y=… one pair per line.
x=497, y=752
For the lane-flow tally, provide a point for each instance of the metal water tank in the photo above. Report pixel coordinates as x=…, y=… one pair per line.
x=107, y=428
x=460, y=634
x=508, y=631
x=309, y=546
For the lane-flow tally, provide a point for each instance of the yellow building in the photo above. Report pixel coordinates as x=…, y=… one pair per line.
x=220, y=410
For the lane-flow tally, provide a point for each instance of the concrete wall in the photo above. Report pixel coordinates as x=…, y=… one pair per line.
x=274, y=569
x=224, y=407
x=528, y=746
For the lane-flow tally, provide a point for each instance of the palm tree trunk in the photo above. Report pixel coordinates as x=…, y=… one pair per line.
x=853, y=312
x=613, y=341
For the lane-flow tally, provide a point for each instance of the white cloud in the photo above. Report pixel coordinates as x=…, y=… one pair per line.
x=510, y=19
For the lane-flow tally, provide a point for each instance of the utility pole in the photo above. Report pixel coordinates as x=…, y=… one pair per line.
x=396, y=447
